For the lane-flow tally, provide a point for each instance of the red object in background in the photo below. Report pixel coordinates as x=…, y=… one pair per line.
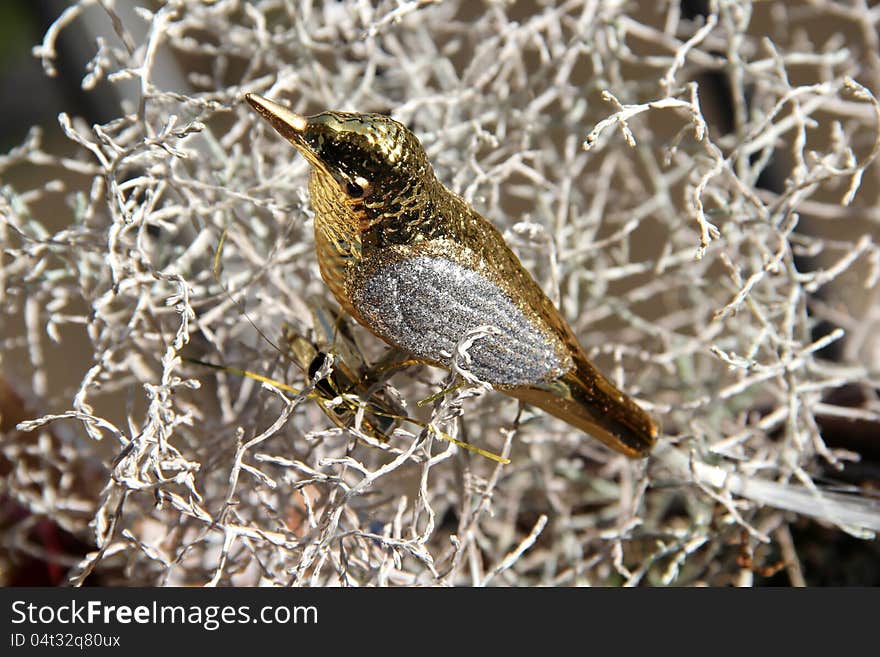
x=44, y=551
x=52, y=549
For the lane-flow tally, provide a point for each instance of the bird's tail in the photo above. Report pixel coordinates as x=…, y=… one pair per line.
x=586, y=399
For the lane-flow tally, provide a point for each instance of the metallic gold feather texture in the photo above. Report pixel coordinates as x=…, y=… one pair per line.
x=421, y=269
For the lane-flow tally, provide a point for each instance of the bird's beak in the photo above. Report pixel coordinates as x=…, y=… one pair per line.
x=289, y=125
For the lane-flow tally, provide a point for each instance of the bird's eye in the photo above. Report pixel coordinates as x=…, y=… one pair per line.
x=357, y=188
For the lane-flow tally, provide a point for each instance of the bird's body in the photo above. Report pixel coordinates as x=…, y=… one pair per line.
x=415, y=264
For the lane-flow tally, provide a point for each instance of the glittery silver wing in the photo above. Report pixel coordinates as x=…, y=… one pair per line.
x=425, y=305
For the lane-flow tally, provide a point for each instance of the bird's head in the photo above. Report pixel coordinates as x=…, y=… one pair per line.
x=371, y=158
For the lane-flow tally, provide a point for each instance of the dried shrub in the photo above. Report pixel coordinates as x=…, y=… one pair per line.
x=694, y=191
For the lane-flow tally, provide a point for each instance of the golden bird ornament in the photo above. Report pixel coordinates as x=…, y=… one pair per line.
x=421, y=269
